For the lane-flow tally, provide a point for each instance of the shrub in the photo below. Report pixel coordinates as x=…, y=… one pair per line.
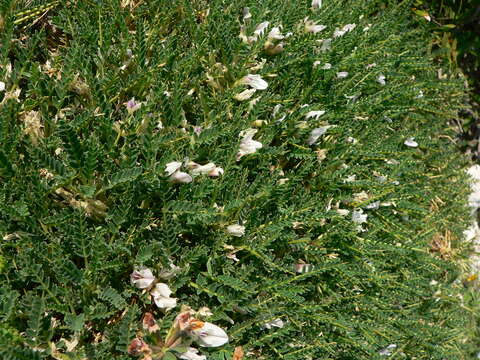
x=85, y=199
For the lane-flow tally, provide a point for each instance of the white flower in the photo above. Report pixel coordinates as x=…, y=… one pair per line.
x=350, y=179
x=387, y=350
x=180, y=177
x=173, y=166
x=316, y=133
x=142, y=279
x=326, y=45
x=316, y=63
x=344, y=30
x=247, y=144
x=208, y=334
x=381, y=79
x=236, y=230
x=261, y=29
x=2, y=86
x=209, y=169
x=342, y=212
x=198, y=169
x=245, y=95
x=254, y=81
x=192, y=354
x=161, y=295
x=316, y=4
x=327, y=66
x=274, y=323
x=275, y=34
x=358, y=217
x=338, y=33
x=342, y=74
x=410, y=142
x=314, y=114
x=312, y=27
x=374, y=205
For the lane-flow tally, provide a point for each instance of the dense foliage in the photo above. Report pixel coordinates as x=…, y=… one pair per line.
x=85, y=199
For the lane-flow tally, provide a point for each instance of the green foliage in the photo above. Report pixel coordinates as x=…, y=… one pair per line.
x=84, y=198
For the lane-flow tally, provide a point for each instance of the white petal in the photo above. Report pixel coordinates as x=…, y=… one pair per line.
x=261, y=28
x=326, y=45
x=192, y=354
x=375, y=205
x=161, y=290
x=173, y=166
x=247, y=134
x=247, y=145
x=236, y=230
x=274, y=323
x=338, y=33
x=314, y=28
x=255, y=81
x=245, y=95
x=349, y=27
x=342, y=212
x=410, y=142
x=250, y=146
x=142, y=279
x=358, y=217
x=314, y=114
x=316, y=4
x=165, y=303
x=275, y=34
x=381, y=79
x=210, y=335
x=2, y=86
x=203, y=169
x=246, y=14
x=342, y=74
x=316, y=133
x=387, y=351
x=180, y=178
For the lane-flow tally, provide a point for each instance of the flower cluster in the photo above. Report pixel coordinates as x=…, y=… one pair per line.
x=176, y=176
x=160, y=292
x=188, y=326
x=186, y=329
